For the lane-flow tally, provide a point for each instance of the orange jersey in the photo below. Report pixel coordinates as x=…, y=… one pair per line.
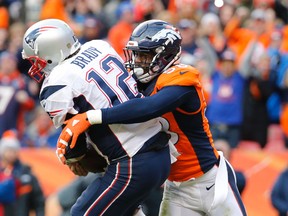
x=195, y=145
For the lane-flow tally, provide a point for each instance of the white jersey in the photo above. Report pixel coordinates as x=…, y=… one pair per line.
x=95, y=78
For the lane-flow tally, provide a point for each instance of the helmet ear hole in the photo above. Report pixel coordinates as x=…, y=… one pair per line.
x=49, y=61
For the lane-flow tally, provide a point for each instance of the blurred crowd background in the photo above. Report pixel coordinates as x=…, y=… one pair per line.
x=239, y=47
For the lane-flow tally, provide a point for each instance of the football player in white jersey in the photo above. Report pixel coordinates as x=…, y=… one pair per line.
x=76, y=78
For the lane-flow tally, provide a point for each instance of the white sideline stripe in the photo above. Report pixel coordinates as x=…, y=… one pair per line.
x=258, y=167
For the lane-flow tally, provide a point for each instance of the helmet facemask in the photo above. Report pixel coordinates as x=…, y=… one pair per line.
x=139, y=65
x=46, y=44
x=145, y=65
x=36, y=70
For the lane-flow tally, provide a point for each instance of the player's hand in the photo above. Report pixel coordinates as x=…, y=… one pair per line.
x=74, y=127
x=60, y=155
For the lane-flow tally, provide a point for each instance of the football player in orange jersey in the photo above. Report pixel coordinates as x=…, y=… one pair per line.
x=201, y=181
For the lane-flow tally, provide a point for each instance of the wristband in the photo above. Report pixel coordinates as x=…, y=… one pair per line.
x=94, y=116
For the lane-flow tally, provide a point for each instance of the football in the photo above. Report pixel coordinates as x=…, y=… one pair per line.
x=92, y=161
x=86, y=155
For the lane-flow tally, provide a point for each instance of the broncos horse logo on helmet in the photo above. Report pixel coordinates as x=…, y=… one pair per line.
x=157, y=39
x=169, y=34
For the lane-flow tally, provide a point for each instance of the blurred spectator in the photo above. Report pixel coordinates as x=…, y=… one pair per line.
x=225, y=108
x=257, y=91
x=284, y=121
x=284, y=111
x=15, y=97
x=92, y=29
x=166, y=16
x=109, y=10
x=241, y=31
x=258, y=26
x=143, y=10
x=281, y=10
x=4, y=16
x=148, y=9
x=30, y=195
x=264, y=4
x=188, y=30
x=199, y=47
x=204, y=59
x=32, y=9
x=226, y=13
x=279, y=194
x=210, y=27
x=80, y=12
x=284, y=30
x=54, y=9
x=276, y=54
x=16, y=33
x=119, y=34
x=189, y=9
x=40, y=132
x=59, y=9
x=3, y=39
x=14, y=46
x=223, y=145
x=60, y=203
x=278, y=65
x=8, y=190
x=206, y=64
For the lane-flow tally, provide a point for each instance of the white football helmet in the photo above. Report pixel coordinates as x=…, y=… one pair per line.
x=46, y=44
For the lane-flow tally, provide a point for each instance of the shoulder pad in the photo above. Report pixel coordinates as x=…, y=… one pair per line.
x=179, y=75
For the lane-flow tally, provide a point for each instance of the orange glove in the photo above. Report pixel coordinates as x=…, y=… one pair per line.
x=74, y=127
x=60, y=154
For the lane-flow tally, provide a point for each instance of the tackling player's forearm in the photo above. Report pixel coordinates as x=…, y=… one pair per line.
x=141, y=109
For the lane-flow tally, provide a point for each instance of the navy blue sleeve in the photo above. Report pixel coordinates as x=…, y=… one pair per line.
x=143, y=109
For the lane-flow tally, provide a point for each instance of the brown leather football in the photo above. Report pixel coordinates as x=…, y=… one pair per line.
x=93, y=162
x=86, y=155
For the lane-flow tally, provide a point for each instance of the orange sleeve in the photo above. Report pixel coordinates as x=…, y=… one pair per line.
x=182, y=75
x=4, y=18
